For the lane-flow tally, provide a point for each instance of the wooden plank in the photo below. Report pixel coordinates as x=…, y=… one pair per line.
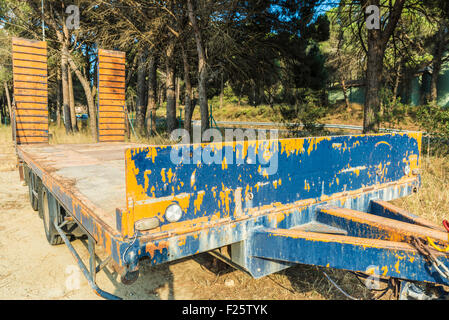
x=40, y=85
x=35, y=52
x=112, y=96
x=28, y=78
x=119, y=138
x=38, y=99
x=103, y=120
x=109, y=108
x=118, y=84
x=112, y=126
x=34, y=105
x=32, y=119
x=21, y=112
x=32, y=99
x=111, y=59
x=30, y=71
x=113, y=66
x=111, y=115
x=30, y=57
x=109, y=72
x=30, y=92
x=118, y=103
x=111, y=132
x=110, y=53
x=107, y=90
x=116, y=80
x=31, y=109
x=29, y=43
x=31, y=126
x=28, y=63
x=23, y=140
x=32, y=133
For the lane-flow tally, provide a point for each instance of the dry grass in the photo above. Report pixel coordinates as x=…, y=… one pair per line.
x=301, y=282
x=7, y=153
x=431, y=202
x=354, y=116
x=58, y=135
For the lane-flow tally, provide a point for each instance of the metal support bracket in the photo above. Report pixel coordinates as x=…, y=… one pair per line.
x=89, y=274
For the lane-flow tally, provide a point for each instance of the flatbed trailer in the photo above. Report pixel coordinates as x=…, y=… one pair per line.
x=259, y=205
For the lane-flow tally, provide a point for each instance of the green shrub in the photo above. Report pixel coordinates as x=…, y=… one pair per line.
x=307, y=112
x=434, y=120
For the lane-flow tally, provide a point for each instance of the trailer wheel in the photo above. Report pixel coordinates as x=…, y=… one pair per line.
x=129, y=277
x=33, y=190
x=48, y=208
x=26, y=174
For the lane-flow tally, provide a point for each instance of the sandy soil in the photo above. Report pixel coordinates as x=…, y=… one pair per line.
x=32, y=269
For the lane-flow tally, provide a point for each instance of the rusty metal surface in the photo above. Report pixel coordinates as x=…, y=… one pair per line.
x=388, y=210
x=365, y=225
x=92, y=173
x=374, y=256
x=239, y=180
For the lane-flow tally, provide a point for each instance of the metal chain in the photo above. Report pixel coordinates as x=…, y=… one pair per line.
x=430, y=257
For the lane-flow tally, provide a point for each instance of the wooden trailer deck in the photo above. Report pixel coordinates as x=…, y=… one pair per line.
x=93, y=173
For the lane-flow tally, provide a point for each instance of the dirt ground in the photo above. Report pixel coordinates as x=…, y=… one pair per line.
x=32, y=269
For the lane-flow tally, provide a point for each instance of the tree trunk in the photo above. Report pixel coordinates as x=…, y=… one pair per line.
x=239, y=97
x=89, y=97
x=373, y=77
x=345, y=94
x=152, y=95
x=373, y=81
x=170, y=87
x=3, y=111
x=202, y=70
x=178, y=90
x=436, y=64
x=188, y=95
x=65, y=89
x=161, y=95
x=127, y=129
x=434, y=82
x=8, y=100
x=221, y=91
x=58, y=98
x=71, y=101
x=141, y=90
x=396, y=85
x=377, y=41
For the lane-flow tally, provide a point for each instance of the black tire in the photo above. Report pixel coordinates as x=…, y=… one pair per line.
x=26, y=174
x=129, y=277
x=48, y=208
x=33, y=185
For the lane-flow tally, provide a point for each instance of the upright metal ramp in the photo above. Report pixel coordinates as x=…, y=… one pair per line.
x=29, y=58
x=111, y=103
